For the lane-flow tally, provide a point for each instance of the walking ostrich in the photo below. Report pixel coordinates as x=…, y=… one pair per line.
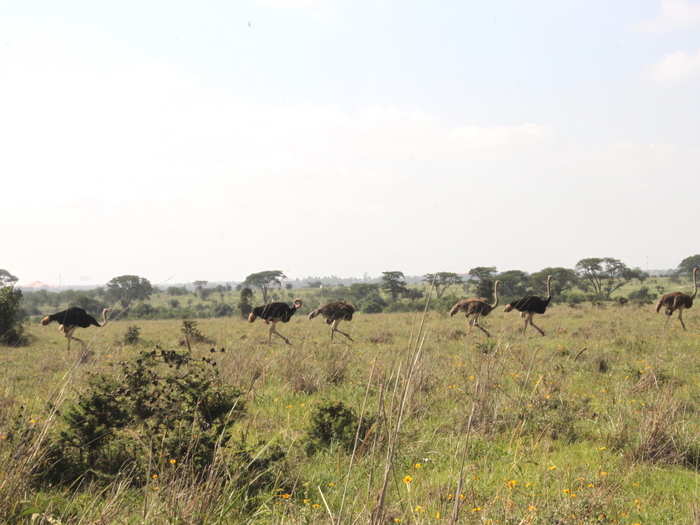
x=334, y=313
x=530, y=305
x=478, y=307
x=74, y=317
x=678, y=300
x=273, y=313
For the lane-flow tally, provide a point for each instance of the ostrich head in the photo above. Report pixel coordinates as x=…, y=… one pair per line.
x=508, y=308
x=298, y=304
x=46, y=320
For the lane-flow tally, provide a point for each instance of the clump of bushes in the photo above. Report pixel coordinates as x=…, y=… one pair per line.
x=162, y=406
x=335, y=424
x=11, y=330
x=132, y=335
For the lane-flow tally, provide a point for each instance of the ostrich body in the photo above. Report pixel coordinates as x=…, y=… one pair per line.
x=678, y=300
x=530, y=305
x=273, y=313
x=72, y=318
x=335, y=313
x=476, y=307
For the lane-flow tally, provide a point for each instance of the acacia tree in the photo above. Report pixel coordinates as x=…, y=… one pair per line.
x=483, y=277
x=684, y=268
x=442, y=281
x=199, y=287
x=264, y=281
x=562, y=279
x=6, y=278
x=514, y=284
x=394, y=283
x=605, y=275
x=129, y=288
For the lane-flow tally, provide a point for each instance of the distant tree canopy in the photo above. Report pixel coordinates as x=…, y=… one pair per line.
x=129, y=288
x=684, y=268
x=6, y=278
x=604, y=275
x=483, y=277
x=314, y=284
x=441, y=281
x=562, y=279
x=264, y=281
x=199, y=288
x=394, y=283
x=514, y=284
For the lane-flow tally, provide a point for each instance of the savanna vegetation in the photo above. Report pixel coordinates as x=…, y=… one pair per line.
x=418, y=421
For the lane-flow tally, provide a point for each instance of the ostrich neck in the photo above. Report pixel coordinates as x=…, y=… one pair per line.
x=695, y=284
x=495, y=295
x=549, y=290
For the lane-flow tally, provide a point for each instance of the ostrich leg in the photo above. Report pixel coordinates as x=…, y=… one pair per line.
x=334, y=328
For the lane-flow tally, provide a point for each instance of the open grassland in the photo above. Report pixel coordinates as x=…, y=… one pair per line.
x=595, y=423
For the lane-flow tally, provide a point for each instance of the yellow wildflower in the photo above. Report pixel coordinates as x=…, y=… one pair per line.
x=438, y=515
x=602, y=473
x=418, y=465
x=407, y=479
x=331, y=484
x=306, y=501
x=419, y=508
x=285, y=496
x=154, y=476
x=531, y=508
x=476, y=509
x=552, y=467
x=511, y=483
x=316, y=506
x=172, y=461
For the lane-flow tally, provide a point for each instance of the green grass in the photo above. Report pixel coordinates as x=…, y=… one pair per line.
x=551, y=428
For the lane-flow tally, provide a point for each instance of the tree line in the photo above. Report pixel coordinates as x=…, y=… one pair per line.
x=594, y=279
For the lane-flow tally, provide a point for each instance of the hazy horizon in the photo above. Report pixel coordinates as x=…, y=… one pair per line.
x=319, y=137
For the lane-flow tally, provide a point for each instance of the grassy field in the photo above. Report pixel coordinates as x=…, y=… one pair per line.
x=595, y=423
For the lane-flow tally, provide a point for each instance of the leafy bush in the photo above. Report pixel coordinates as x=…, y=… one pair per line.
x=334, y=423
x=222, y=310
x=641, y=296
x=192, y=334
x=132, y=335
x=11, y=331
x=162, y=405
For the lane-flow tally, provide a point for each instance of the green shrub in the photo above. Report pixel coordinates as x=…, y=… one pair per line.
x=11, y=330
x=132, y=335
x=162, y=405
x=334, y=423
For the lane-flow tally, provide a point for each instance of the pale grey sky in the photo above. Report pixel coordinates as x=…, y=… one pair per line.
x=205, y=140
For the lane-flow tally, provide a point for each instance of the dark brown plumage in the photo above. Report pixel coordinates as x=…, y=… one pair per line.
x=273, y=313
x=72, y=318
x=678, y=301
x=530, y=305
x=334, y=313
x=477, y=307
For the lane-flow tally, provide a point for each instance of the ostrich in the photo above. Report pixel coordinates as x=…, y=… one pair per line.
x=74, y=317
x=678, y=300
x=478, y=307
x=530, y=305
x=334, y=313
x=273, y=313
